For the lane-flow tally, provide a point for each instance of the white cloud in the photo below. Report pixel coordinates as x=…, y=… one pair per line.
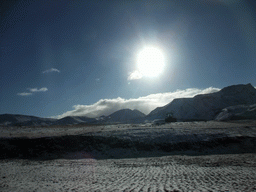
x=32, y=90
x=43, y=89
x=51, y=70
x=144, y=104
x=135, y=75
x=24, y=94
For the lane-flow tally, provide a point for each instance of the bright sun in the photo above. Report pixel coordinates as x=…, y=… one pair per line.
x=150, y=61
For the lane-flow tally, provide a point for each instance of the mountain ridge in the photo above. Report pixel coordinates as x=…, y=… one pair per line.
x=18, y=119
x=120, y=116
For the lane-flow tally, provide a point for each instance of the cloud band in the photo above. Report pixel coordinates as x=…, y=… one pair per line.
x=144, y=104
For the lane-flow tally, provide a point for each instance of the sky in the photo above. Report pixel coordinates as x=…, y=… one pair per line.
x=80, y=57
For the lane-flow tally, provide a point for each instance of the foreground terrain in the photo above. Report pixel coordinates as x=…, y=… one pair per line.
x=166, y=173
x=196, y=156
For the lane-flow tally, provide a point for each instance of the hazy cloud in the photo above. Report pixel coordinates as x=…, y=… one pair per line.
x=51, y=70
x=32, y=90
x=144, y=104
x=43, y=89
x=135, y=75
x=24, y=94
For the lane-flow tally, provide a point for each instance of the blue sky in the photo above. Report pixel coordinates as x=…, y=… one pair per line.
x=76, y=57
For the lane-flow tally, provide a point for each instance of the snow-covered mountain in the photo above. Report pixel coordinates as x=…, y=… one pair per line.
x=206, y=106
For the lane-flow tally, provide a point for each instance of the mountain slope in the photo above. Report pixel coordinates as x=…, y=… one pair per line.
x=74, y=120
x=25, y=120
x=206, y=106
x=237, y=112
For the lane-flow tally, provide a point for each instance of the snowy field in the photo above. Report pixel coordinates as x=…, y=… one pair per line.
x=195, y=156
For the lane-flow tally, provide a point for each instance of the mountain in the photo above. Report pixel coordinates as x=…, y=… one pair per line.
x=206, y=106
x=24, y=120
x=237, y=112
x=125, y=116
x=74, y=120
x=121, y=116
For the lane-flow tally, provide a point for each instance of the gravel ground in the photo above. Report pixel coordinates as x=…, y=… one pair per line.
x=231, y=172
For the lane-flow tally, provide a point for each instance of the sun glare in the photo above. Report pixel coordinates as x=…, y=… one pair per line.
x=150, y=61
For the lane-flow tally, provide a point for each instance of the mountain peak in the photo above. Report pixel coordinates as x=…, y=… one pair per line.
x=239, y=88
x=125, y=115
